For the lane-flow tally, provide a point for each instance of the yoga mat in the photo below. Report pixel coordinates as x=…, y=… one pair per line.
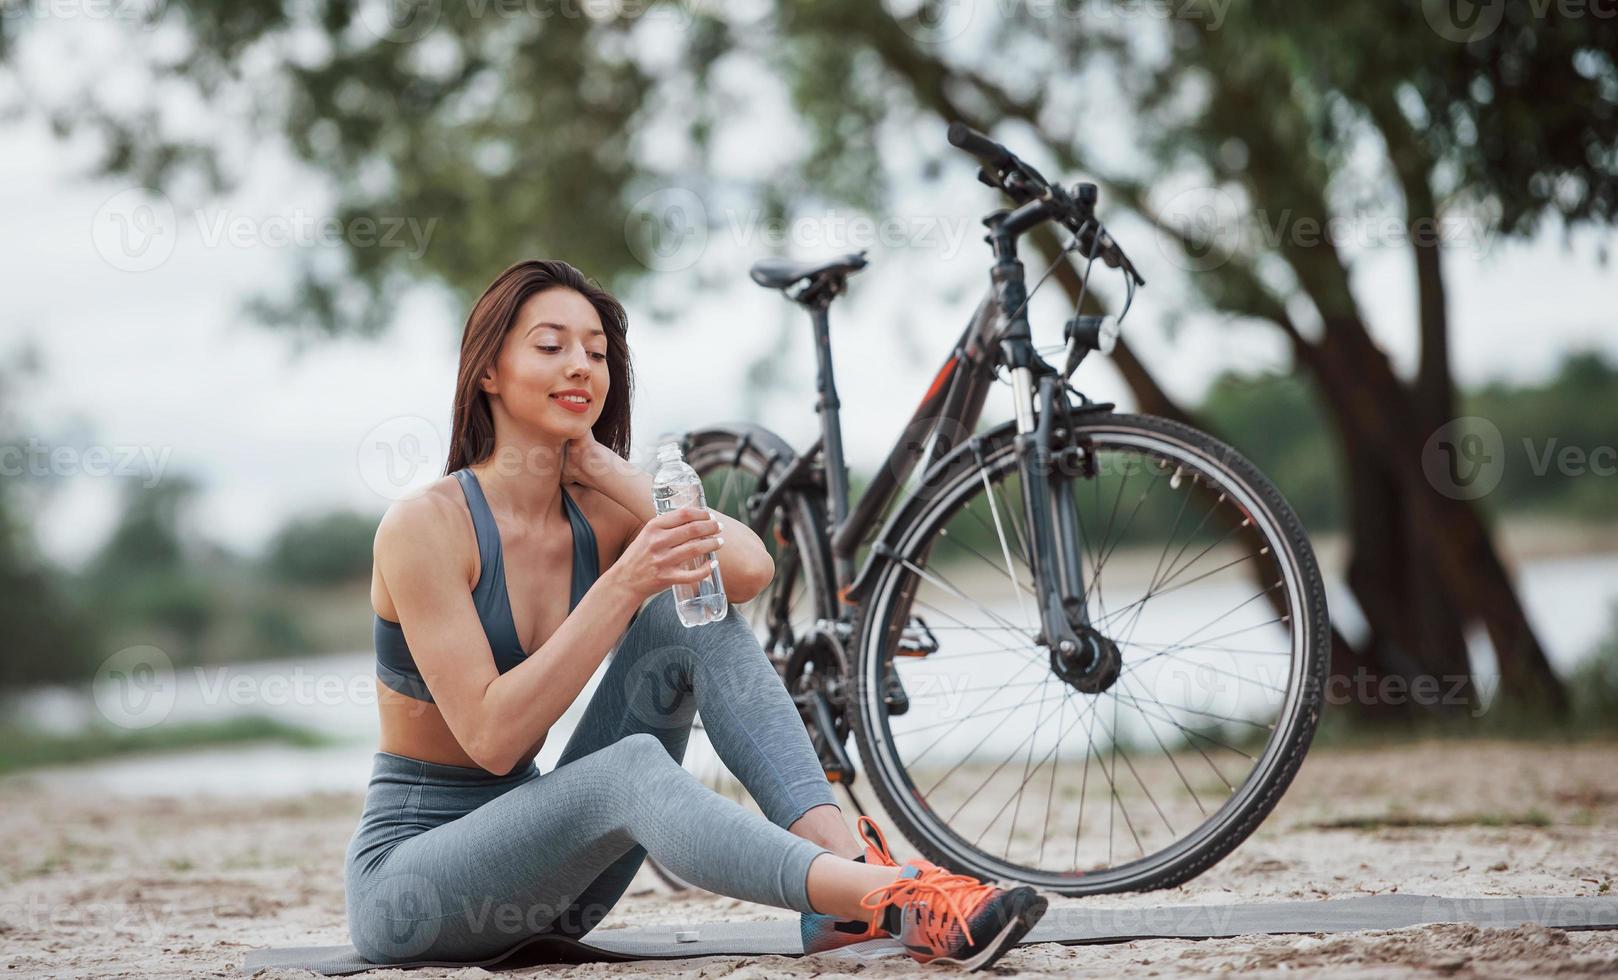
x=1070, y=925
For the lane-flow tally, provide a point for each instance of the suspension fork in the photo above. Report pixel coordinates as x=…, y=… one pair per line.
x=1053, y=535
x=1068, y=458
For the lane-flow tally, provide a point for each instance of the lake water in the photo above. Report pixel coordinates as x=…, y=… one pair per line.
x=1570, y=601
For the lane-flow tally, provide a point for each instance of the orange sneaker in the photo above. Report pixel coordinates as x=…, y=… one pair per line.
x=823, y=932
x=953, y=918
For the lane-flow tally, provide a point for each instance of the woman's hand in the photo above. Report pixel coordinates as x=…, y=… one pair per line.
x=658, y=557
x=585, y=461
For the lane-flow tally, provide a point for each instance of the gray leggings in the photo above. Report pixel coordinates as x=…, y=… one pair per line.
x=456, y=863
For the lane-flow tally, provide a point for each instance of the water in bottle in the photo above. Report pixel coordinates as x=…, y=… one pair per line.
x=677, y=485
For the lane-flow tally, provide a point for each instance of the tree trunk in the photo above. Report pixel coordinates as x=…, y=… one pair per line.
x=1374, y=411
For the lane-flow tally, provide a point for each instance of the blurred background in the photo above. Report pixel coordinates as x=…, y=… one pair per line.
x=241, y=239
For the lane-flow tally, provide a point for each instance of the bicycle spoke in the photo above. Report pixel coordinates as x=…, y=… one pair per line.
x=1170, y=756
x=1000, y=534
x=988, y=726
x=935, y=580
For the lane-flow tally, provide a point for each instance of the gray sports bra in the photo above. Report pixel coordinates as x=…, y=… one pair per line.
x=397, y=668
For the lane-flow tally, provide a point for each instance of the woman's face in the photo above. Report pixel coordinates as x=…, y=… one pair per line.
x=551, y=373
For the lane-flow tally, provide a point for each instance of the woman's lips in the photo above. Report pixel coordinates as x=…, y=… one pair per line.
x=577, y=408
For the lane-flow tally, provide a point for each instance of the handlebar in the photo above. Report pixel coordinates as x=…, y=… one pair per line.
x=985, y=149
x=1003, y=170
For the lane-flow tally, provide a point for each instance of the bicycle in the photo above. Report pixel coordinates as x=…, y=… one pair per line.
x=846, y=618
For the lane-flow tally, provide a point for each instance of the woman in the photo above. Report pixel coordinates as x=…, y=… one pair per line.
x=464, y=848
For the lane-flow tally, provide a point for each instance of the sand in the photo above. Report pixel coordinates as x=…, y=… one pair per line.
x=167, y=887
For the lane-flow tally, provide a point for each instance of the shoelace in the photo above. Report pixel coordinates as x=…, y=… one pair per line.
x=880, y=844
x=956, y=896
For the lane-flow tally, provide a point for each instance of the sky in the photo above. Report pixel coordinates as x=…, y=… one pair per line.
x=154, y=359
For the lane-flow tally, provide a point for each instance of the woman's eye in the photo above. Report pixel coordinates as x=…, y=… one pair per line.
x=545, y=348
x=602, y=357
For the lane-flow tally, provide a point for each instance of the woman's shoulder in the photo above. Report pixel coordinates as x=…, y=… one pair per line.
x=433, y=522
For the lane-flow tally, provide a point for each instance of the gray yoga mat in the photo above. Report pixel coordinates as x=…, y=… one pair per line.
x=1070, y=925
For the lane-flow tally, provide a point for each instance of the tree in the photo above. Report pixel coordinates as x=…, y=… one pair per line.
x=145, y=576
x=48, y=637
x=328, y=549
x=1270, y=106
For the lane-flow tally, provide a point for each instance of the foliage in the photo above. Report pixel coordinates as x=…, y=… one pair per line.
x=323, y=549
x=25, y=749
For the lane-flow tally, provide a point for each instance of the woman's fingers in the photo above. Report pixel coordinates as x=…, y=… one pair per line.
x=697, y=548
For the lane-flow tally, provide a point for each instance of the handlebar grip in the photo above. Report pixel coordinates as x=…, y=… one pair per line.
x=980, y=146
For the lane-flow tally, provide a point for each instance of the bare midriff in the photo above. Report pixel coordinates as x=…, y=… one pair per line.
x=417, y=730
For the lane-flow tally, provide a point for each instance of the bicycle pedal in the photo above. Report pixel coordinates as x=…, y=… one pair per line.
x=894, y=695
x=917, y=640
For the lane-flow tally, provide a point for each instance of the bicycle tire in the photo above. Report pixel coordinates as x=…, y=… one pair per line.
x=1284, y=751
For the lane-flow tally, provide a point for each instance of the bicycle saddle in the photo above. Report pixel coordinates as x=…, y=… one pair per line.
x=779, y=273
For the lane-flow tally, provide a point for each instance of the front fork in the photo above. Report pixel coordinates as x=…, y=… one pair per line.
x=1053, y=533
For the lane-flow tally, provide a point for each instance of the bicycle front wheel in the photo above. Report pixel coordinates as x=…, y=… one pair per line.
x=996, y=760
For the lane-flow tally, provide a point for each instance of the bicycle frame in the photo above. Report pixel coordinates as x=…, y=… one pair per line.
x=947, y=415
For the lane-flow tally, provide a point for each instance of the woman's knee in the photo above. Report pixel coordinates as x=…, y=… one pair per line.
x=641, y=749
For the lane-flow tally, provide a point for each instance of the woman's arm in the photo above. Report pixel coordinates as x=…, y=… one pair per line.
x=532, y=696
x=744, y=563
x=496, y=718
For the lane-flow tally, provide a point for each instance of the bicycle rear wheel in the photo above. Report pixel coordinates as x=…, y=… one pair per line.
x=996, y=763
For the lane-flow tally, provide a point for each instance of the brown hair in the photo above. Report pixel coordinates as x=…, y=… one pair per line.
x=493, y=316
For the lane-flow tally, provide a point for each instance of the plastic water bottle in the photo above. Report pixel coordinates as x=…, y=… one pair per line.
x=677, y=485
